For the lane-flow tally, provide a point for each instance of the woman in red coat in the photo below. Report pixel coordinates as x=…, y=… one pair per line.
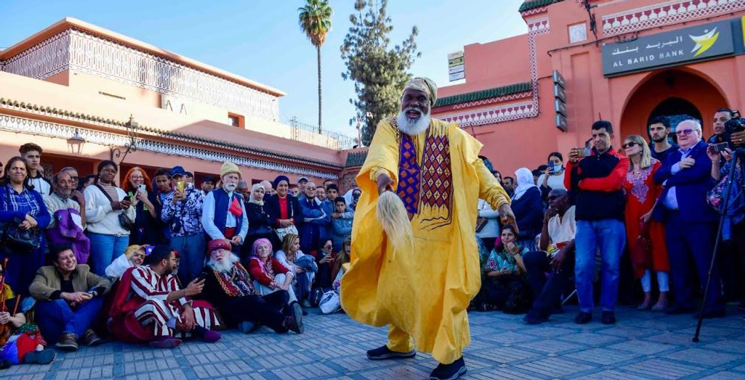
x=646, y=237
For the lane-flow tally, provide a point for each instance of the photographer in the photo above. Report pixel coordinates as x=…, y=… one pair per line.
x=182, y=212
x=732, y=261
x=721, y=134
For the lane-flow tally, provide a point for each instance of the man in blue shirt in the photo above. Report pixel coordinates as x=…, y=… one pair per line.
x=690, y=224
x=224, y=213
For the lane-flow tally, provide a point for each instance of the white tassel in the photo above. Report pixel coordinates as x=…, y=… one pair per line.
x=395, y=220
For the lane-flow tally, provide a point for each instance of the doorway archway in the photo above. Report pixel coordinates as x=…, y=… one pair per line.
x=674, y=93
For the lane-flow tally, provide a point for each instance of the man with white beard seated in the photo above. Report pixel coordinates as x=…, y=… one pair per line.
x=229, y=288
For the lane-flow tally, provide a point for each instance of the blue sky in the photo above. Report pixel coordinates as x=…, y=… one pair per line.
x=261, y=40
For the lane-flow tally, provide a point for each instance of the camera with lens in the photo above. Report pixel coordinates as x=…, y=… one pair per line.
x=735, y=129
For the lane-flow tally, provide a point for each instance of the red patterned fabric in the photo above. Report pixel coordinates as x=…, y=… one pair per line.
x=437, y=179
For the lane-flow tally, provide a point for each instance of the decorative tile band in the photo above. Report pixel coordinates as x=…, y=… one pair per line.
x=491, y=115
x=76, y=50
x=537, y=24
x=534, y=11
x=500, y=99
x=666, y=13
x=35, y=127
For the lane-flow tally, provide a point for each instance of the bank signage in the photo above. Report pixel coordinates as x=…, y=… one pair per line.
x=670, y=48
x=456, y=66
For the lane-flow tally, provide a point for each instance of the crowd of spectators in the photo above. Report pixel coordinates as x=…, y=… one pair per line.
x=157, y=260
x=622, y=220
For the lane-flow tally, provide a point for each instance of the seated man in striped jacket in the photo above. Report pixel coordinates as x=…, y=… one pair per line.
x=151, y=306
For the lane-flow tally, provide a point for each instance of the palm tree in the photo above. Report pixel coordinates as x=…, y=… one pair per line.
x=315, y=21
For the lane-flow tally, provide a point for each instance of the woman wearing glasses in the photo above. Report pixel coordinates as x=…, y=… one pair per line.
x=646, y=237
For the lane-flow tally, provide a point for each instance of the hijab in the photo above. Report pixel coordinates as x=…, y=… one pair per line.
x=251, y=198
x=525, y=181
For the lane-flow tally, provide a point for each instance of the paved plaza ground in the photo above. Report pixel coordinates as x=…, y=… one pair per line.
x=639, y=346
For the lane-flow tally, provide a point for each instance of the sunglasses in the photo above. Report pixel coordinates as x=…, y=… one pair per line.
x=684, y=132
x=629, y=145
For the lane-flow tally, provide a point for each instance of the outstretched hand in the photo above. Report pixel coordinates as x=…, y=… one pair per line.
x=508, y=217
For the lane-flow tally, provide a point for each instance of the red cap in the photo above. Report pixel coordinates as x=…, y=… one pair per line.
x=216, y=244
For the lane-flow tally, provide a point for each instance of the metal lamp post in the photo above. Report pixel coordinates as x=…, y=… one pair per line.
x=131, y=145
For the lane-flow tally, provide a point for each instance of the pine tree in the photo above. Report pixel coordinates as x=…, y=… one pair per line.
x=379, y=73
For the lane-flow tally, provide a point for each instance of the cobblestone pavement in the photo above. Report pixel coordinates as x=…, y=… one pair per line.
x=639, y=346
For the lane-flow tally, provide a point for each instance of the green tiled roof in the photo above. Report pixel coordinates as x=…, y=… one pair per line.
x=356, y=159
x=532, y=4
x=484, y=94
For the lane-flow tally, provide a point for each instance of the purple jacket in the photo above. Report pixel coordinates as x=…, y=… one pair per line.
x=66, y=231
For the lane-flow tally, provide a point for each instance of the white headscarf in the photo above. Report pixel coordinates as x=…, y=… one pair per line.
x=525, y=181
x=251, y=199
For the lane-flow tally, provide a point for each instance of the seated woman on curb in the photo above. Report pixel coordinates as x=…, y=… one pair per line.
x=268, y=274
x=304, y=268
x=503, y=286
x=133, y=256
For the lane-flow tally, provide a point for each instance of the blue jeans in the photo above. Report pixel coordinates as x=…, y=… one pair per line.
x=56, y=317
x=105, y=249
x=192, y=251
x=610, y=236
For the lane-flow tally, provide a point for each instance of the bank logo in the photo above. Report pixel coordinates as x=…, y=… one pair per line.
x=704, y=42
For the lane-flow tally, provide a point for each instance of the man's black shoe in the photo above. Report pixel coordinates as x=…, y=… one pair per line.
x=676, y=309
x=583, y=318
x=383, y=353
x=608, y=318
x=535, y=318
x=708, y=314
x=450, y=371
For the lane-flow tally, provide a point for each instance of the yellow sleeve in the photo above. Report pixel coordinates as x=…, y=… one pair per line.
x=489, y=188
x=382, y=156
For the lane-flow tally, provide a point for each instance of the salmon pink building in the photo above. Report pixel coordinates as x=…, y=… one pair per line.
x=625, y=61
x=73, y=87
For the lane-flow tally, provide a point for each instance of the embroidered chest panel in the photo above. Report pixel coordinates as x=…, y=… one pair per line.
x=638, y=182
x=426, y=189
x=408, y=174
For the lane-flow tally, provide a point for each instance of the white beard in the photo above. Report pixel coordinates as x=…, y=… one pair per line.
x=230, y=187
x=412, y=127
x=226, y=265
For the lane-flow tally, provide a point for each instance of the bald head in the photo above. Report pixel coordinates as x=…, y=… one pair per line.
x=242, y=187
x=558, y=199
x=267, y=186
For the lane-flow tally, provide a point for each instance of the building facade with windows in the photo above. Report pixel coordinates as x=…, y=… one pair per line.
x=72, y=88
x=625, y=61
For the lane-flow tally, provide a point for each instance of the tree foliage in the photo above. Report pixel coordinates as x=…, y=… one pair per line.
x=379, y=72
x=315, y=21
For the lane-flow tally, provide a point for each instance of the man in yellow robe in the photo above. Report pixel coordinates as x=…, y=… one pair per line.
x=422, y=294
